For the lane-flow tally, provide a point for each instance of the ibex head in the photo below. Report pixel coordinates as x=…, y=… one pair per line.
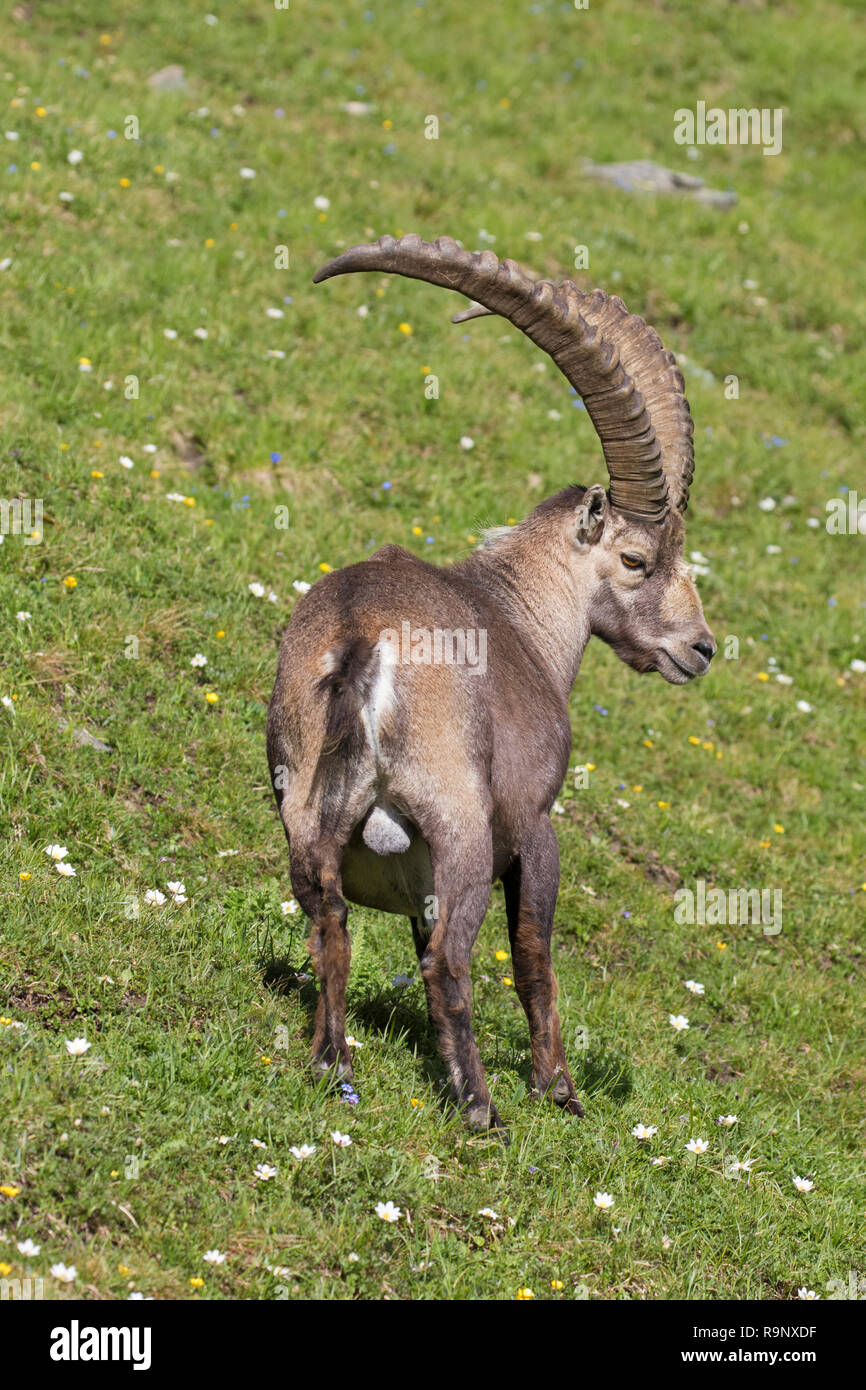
x=644, y=601
x=627, y=542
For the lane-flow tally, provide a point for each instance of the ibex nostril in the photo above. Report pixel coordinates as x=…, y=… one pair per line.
x=706, y=649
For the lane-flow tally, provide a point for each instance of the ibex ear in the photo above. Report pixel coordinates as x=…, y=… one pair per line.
x=590, y=516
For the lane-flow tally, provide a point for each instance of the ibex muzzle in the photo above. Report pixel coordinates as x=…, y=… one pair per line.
x=408, y=783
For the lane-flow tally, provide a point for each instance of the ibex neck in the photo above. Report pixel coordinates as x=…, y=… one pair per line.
x=534, y=590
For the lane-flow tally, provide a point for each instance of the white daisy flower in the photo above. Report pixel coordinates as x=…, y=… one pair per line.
x=679, y=1022
x=289, y=907
x=301, y=586
x=264, y=1172
x=214, y=1257
x=803, y=1184
x=23, y=616
x=198, y=660
x=26, y=1247
x=74, y=157
x=321, y=203
x=56, y=851
x=246, y=173
x=302, y=1151
x=641, y=1131
x=76, y=1047
x=694, y=986
x=467, y=442
x=65, y=870
x=65, y=1273
x=603, y=1201
x=170, y=333
x=154, y=898
x=727, y=1120
x=342, y=1141
x=257, y=590
x=388, y=1212
x=697, y=1146
x=125, y=461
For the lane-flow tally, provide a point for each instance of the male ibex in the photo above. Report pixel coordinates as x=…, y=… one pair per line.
x=410, y=786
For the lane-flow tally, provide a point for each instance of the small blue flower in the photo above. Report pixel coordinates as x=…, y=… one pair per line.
x=275, y=458
x=386, y=487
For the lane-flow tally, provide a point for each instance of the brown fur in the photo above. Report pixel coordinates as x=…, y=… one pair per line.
x=472, y=761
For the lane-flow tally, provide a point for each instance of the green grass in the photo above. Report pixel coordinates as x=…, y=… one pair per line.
x=114, y=1155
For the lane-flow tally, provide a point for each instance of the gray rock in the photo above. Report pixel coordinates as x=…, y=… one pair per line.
x=643, y=176
x=170, y=79
x=84, y=739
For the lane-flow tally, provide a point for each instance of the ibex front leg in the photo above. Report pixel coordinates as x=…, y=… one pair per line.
x=531, y=886
x=461, y=874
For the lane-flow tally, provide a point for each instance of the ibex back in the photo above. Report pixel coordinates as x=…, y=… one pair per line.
x=408, y=779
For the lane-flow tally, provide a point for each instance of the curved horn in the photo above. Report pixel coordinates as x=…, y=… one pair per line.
x=631, y=386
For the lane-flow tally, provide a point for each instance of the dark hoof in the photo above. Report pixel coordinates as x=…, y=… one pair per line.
x=334, y=1071
x=483, y=1119
x=560, y=1091
x=573, y=1107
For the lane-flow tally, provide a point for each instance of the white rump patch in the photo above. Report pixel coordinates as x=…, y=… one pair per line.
x=380, y=699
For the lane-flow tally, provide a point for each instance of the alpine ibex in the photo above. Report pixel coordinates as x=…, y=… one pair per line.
x=410, y=784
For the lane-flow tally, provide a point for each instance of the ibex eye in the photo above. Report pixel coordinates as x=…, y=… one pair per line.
x=632, y=562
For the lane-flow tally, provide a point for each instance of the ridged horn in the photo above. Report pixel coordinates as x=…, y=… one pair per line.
x=631, y=386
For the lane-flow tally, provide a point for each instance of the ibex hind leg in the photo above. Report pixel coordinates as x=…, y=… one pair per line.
x=317, y=887
x=531, y=885
x=461, y=873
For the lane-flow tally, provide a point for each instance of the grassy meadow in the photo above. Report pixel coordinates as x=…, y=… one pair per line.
x=205, y=429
